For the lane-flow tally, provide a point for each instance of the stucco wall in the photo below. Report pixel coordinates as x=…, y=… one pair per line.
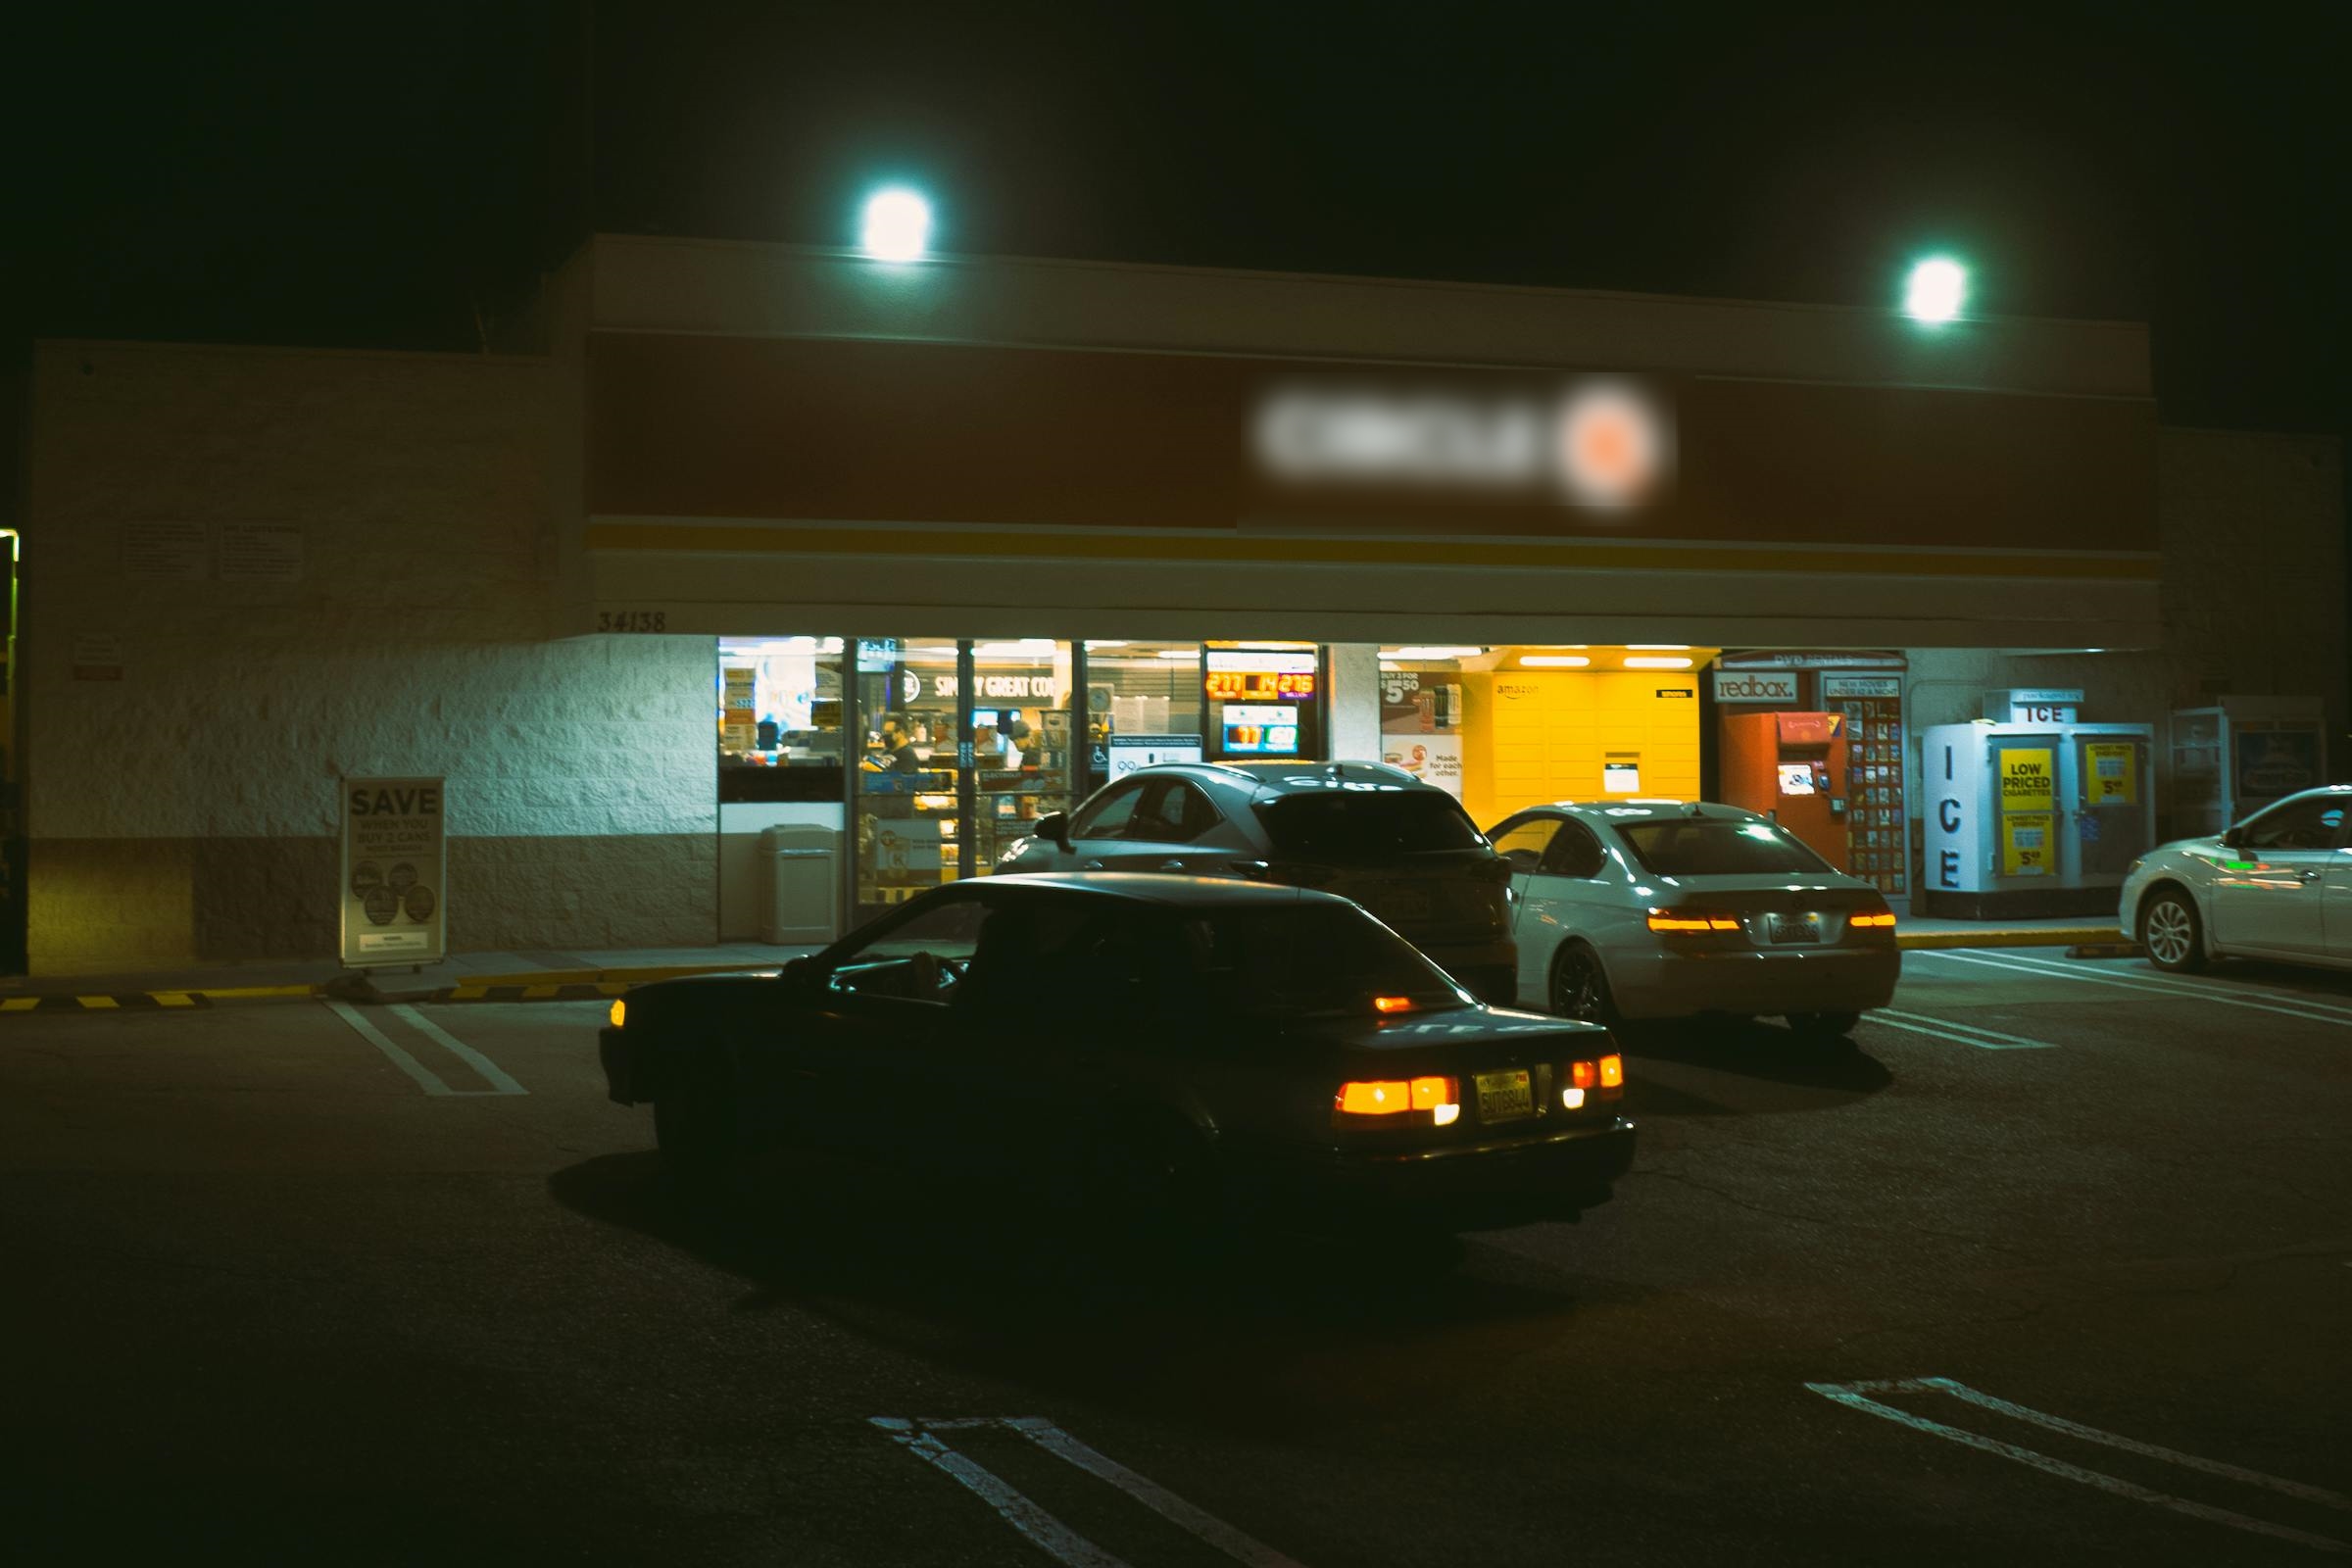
x=187, y=810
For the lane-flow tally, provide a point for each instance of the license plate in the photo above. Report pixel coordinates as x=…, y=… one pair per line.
x=1404, y=906
x=1503, y=1096
x=1796, y=928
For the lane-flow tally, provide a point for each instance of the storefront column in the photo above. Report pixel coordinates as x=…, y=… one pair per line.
x=1354, y=701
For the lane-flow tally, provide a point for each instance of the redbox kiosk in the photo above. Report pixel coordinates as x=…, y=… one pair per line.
x=1792, y=767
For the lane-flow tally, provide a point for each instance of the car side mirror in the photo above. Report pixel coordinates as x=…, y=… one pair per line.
x=2233, y=838
x=1053, y=825
x=1521, y=861
x=797, y=971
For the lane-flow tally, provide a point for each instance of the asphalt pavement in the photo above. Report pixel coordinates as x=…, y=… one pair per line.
x=2054, y=1266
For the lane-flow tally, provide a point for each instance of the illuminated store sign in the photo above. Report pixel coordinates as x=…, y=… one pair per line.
x=1258, y=676
x=1597, y=443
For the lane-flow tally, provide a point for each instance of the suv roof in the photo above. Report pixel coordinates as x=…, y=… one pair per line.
x=1301, y=777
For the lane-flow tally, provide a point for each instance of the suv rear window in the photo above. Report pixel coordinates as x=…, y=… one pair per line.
x=1308, y=958
x=1345, y=825
x=1700, y=846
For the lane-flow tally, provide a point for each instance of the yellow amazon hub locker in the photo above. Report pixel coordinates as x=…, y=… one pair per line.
x=1530, y=736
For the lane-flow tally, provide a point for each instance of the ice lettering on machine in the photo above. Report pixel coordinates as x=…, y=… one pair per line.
x=393, y=895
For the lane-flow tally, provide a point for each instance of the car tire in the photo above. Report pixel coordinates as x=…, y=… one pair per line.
x=1822, y=1026
x=695, y=1129
x=2169, y=932
x=1580, y=987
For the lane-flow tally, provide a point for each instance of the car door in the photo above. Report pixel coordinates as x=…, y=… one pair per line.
x=2269, y=897
x=854, y=1081
x=1521, y=841
x=1100, y=826
x=1174, y=828
x=1568, y=895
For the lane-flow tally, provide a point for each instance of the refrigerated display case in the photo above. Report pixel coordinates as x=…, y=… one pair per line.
x=2232, y=760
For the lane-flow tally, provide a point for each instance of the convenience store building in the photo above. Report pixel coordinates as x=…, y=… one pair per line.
x=899, y=555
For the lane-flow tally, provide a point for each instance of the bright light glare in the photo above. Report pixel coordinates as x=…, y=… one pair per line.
x=898, y=225
x=1938, y=287
x=1572, y=1099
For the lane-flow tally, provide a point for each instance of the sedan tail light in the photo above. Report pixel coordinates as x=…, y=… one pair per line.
x=1428, y=1102
x=1691, y=922
x=1882, y=919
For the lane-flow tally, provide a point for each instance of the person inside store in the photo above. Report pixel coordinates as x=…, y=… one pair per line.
x=896, y=751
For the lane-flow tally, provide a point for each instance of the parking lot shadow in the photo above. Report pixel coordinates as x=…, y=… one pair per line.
x=1206, y=1337
x=1776, y=1070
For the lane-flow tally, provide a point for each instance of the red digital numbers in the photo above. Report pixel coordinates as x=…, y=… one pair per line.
x=1258, y=686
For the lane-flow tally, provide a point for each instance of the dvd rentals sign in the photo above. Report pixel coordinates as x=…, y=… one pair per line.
x=395, y=871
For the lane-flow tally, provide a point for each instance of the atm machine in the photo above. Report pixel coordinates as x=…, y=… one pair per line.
x=1792, y=767
x=2032, y=819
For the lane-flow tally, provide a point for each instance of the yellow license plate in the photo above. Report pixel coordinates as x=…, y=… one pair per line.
x=1503, y=1096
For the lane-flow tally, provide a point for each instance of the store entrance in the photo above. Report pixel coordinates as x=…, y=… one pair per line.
x=965, y=745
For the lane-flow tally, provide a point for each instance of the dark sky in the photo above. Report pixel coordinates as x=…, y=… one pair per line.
x=374, y=174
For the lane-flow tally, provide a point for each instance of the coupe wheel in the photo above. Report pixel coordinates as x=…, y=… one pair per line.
x=2170, y=931
x=1580, y=987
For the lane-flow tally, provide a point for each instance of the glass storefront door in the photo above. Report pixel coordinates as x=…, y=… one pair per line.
x=964, y=745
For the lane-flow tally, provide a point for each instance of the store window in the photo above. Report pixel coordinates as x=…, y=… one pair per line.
x=1143, y=706
x=780, y=731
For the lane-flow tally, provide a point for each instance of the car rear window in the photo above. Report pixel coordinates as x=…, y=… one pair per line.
x=1344, y=825
x=1700, y=846
x=1308, y=958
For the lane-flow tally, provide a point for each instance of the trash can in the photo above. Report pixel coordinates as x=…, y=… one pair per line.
x=803, y=901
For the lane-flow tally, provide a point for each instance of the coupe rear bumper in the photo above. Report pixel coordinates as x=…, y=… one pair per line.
x=1678, y=985
x=1502, y=1181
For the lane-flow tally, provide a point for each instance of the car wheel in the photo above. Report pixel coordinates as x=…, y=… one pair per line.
x=2170, y=930
x=1823, y=1025
x=694, y=1128
x=1580, y=987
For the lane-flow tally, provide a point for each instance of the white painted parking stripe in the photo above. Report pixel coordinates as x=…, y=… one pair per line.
x=1854, y=1396
x=491, y=1072
x=2187, y=986
x=2189, y=1461
x=1217, y=1532
x=2156, y=988
x=1968, y=1034
x=920, y=1436
x=382, y=1042
x=1058, y=1540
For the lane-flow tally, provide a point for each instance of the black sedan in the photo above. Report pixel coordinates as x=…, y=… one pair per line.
x=1189, y=1051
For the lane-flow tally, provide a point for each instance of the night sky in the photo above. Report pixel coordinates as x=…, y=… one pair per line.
x=385, y=176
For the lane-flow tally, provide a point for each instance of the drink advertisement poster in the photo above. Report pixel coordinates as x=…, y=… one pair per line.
x=1431, y=759
x=395, y=871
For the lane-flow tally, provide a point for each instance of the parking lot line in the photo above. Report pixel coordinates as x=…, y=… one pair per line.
x=2188, y=986
x=1855, y=1395
x=1217, y=1532
x=1058, y=1540
x=920, y=1436
x=424, y=1076
x=490, y=1070
x=2149, y=987
x=1966, y=1033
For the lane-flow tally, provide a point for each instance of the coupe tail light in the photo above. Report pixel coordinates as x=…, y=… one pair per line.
x=1391, y=1004
x=1604, y=1078
x=1882, y=920
x=1691, y=923
x=1372, y=1102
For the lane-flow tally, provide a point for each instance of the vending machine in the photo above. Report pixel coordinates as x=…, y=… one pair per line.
x=2026, y=819
x=2232, y=760
x=1793, y=768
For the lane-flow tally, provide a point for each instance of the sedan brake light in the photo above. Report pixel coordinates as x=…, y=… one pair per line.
x=1691, y=921
x=1882, y=920
x=1374, y=1101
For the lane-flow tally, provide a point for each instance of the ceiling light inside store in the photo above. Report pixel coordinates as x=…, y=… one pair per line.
x=1655, y=662
x=1095, y=643
x=1026, y=648
x=1431, y=651
x=1554, y=660
x=1180, y=653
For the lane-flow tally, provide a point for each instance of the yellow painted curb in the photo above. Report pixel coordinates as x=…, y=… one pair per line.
x=2010, y=937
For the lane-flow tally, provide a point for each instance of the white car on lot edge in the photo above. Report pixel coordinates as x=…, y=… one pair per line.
x=1636, y=908
x=2278, y=885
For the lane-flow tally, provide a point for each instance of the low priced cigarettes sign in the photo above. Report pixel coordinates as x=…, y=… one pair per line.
x=395, y=871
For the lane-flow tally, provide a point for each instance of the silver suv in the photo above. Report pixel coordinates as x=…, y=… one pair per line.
x=1405, y=850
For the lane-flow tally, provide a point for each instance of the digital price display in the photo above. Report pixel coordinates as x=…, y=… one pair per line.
x=1268, y=730
x=1260, y=685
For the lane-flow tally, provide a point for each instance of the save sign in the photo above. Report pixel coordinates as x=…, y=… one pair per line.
x=395, y=871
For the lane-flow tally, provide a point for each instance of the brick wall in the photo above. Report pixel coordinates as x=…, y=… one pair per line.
x=187, y=810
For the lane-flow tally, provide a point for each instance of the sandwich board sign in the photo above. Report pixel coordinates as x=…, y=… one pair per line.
x=395, y=871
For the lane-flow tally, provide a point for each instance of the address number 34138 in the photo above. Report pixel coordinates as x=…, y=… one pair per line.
x=632, y=620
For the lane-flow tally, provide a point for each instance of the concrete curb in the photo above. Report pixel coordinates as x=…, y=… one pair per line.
x=365, y=989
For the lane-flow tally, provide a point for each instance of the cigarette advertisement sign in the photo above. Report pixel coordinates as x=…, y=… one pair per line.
x=2028, y=781
x=395, y=863
x=2111, y=773
x=2026, y=844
